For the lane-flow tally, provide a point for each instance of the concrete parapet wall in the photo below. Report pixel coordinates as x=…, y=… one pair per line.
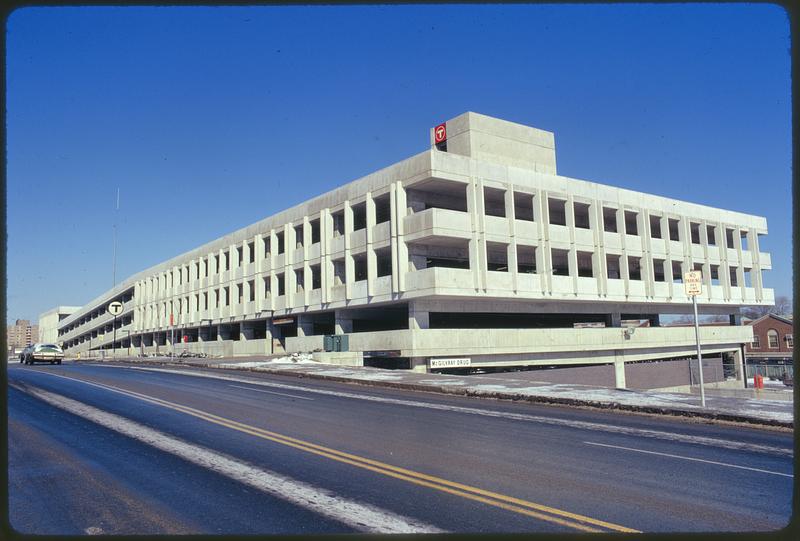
x=341, y=358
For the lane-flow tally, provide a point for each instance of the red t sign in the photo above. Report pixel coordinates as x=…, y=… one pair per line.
x=439, y=134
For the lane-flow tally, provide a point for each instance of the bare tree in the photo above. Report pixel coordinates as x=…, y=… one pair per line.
x=782, y=306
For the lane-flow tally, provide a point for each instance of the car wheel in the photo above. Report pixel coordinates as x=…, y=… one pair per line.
x=58, y=362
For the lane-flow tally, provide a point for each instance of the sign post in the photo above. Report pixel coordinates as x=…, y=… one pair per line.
x=692, y=283
x=115, y=308
x=172, y=336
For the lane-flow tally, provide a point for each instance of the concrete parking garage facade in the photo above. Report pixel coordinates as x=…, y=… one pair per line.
x=472, y=252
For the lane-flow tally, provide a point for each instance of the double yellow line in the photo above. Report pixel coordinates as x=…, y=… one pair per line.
x=516, y=505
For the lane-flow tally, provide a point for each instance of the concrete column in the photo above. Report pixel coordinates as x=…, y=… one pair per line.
x=417, y=317
x=546, y=265
x=372, y=259
x=419, y=364
x=343, y=324
x=246, y=331
x=402, y=248
x=394, y=218
x=349, y=266
x=616, y=319
x=738, y=361
x=619, y=374
x=305, y=326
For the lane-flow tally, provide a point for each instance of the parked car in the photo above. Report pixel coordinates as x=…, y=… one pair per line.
x=24, y=353
x=44, y=352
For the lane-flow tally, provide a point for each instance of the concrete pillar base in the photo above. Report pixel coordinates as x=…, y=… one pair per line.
x=342, y=323
x=419, y=364
x=619, y=374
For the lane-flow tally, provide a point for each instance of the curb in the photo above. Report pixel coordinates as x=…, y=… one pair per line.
x=552, y=400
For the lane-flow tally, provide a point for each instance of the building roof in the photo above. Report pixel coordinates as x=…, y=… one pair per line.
x=773, y=316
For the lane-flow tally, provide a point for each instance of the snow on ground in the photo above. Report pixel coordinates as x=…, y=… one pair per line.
x=769, y=382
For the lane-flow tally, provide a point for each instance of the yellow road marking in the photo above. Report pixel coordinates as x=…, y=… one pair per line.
x=517, y=505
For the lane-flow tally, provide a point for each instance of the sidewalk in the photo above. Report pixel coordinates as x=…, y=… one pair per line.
x=758, y=410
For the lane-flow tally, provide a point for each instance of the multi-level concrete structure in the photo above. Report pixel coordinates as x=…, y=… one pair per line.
x=48, y=322
x=478, y=232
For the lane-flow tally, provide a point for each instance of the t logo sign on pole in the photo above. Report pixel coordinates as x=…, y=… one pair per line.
x=693, y=285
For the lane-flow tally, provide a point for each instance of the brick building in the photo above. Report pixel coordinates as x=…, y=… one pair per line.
x=772, y=341
x=22, y=334
x=770, y=353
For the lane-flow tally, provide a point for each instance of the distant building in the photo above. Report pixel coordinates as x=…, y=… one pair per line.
x=22, y=334
x=48, y=322
x=773, y=340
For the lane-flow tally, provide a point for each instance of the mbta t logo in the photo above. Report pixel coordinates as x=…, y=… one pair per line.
x=440, y=137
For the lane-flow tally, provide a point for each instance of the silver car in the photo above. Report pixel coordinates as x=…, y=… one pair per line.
x=43, y=352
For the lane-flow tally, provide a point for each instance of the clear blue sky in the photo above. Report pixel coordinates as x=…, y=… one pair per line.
x=210, y=119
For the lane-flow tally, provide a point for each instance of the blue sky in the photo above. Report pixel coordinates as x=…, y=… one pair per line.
x=209, y=119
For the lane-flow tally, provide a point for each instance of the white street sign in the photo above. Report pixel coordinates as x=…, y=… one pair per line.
x=450, y=363
x=693, y=283
x=115, y=308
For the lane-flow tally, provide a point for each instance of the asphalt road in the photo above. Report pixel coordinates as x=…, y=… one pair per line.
x=124, y=450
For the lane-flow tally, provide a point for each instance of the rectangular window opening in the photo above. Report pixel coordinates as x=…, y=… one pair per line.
x=523, y=206
x=581, y=215
x=694, y=229
x=494, y=202
x=281, y=246
x=631, y=225
x=585, y=264
x=359, y=216
x=557, y=210
x=655, y=227
x=339, y=272
x=560, y=262
x=610, y=220
x=715, y=275
x=360, y=267
x=383, y=209
x=281, y=284
x=658, y=270
x=526, y=259
x=711, y=235
x=674, y=229
x=613, y=267
x=384, y=262
x=338, y=223
x=497, y=256
x=634, y=268
x=316, y=276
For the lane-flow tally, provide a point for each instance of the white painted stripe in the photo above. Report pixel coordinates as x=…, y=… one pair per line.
x=582, y=425
x=270, y=392
x=362, y=517
x=689, y=458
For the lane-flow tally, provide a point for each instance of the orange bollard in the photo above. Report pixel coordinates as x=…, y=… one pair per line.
x=758, y=381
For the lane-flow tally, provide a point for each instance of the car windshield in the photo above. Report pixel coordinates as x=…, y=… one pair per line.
x=49, y=346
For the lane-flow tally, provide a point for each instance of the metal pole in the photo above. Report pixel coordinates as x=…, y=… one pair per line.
x=114, y=341
x=172, y=343
x=699, y=356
